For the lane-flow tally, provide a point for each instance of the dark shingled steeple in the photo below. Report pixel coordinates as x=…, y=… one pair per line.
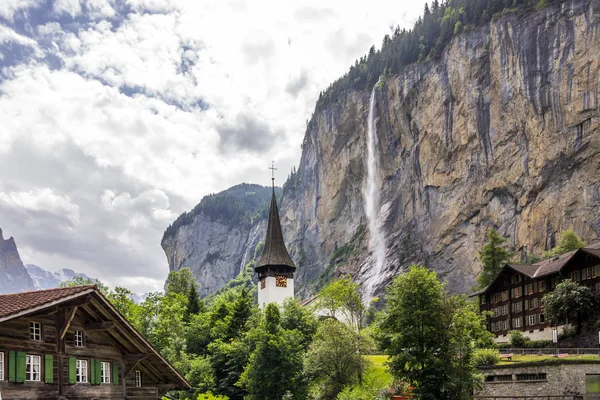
x=274, y=253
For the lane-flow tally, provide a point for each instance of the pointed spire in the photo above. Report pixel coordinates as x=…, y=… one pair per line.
x=274, y=253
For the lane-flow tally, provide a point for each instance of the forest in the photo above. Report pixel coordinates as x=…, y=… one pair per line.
x=240, y=204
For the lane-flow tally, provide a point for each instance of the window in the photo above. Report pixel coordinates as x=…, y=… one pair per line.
x=517, y=307
x=105, y=372
x=35, y=331
x=535, y=303
x=138, y=378
x=529, y=288
x=505, y=295
x=542, y=286
x=81, y=371
x=531, y=319
x=1, y=366
x=516, y=278
x=541, y=318
x=517, y=322
x=517, y=292
x=532, y=377
x=596, y=271
x=496, y=298
x=79, y=338
x=498, y=378
x=32, y=368
x=576, y=276
x=505, y=309
x=588, y=272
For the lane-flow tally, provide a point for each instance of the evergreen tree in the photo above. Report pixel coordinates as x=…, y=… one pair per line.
x=493, y=256
x=194, y=304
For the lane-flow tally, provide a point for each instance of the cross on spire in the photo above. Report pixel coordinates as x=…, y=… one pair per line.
x=273, y=169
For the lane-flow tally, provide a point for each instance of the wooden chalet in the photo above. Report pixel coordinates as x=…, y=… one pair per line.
x=515, y=296
x=71, y=343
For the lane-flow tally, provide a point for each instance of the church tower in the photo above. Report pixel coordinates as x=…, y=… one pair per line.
x=275, y=267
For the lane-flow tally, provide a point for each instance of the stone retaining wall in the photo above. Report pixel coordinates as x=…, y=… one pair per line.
x=560, y=379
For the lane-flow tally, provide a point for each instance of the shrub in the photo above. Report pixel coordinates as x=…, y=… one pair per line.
x=568, y=332
x=486, y=357
x=517, y=339
x=538, y=344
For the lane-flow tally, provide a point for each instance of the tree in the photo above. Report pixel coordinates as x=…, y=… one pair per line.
x=430, y=336
x=493, y=256
x=194, y=304
x=334, y=358
x=274, y=369
x=300, y=319
x=180, y=281
x=341, y=299
x=570, y=302
x=79, y=281
x=569, y=241
x=121, y=299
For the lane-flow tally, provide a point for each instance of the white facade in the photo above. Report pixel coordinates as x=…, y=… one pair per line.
x=271, y=293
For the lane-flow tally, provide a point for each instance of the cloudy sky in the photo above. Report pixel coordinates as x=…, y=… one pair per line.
x=118, y=115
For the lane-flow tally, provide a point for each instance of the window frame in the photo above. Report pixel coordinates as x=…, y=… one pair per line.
x=138, y=378
x=78, y=367
x=105, y=378
x=29, y=364
x=78, y=338
x=35, y=330
x=530, y=318
x=518, y=322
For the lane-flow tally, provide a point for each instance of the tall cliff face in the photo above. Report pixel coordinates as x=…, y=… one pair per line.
x=13, y=275
x=503, y=131
x=218, y=238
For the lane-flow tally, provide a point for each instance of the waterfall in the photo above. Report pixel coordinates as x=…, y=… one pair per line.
x=371, y=202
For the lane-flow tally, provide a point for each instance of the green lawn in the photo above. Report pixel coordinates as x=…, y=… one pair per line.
x=550, y=358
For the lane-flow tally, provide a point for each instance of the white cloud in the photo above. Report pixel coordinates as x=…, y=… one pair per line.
x=42, y=200
x=8, y=8
x=131, y=118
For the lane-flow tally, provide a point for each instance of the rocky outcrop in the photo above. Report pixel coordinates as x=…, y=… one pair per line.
x=503, y=131
x=13, y=275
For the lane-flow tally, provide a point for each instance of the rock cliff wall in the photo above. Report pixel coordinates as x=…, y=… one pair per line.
x=503, y=131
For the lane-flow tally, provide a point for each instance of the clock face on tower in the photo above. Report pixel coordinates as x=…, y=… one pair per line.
x=281, y=281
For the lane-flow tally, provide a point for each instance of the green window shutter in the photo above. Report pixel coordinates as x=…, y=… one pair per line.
x=98, y=372
x=48, y=368
x=115, y=373
x=12, y=366
x=20, y=367
x=93, y=372
x=72, y=370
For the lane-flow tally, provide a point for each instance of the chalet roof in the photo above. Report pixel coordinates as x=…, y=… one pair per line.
x=33, y=302
x=16, y=303
x=546, y=267
x=274, y=252
x=525, y=269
